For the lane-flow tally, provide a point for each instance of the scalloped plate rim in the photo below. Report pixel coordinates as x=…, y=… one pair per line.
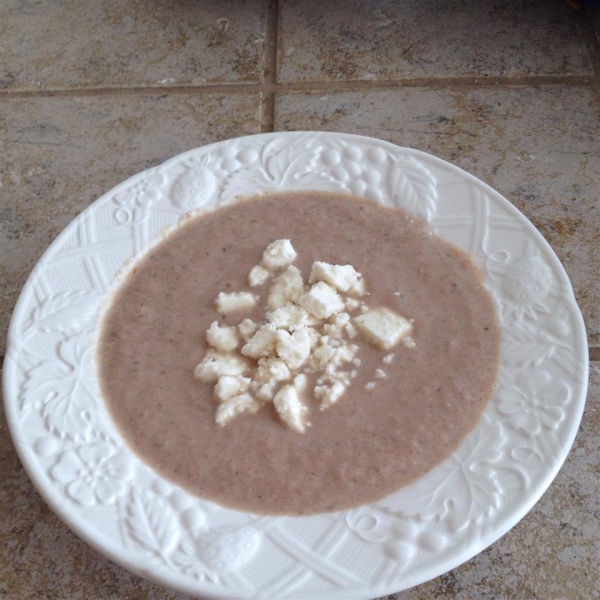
x=52, y=496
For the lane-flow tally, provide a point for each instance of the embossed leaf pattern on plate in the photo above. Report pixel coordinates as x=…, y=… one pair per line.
x=142, y=521
x=59, y=389
x=150, y=522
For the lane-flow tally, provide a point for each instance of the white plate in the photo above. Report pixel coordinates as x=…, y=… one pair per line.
x=116, y=503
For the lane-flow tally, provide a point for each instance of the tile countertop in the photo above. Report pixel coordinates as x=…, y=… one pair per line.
x=92, y=92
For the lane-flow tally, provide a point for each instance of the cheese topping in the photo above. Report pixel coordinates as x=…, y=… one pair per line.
x=235, y=301
x=384, y=328
x=306, y=331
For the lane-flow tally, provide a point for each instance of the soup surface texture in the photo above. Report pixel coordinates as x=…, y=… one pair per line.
x=369, y=444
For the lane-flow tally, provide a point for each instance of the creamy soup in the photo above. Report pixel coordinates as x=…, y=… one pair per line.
x=372, y=442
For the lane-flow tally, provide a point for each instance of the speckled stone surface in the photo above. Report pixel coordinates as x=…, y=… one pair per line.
x=60, y=154
x=77, y=118
x=539, y=147
x=385, y=39
x=594, y=10
x=106, y=43
x=551, y=554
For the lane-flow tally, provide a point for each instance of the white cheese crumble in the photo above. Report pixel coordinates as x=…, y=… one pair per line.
x=287, y=287
x=278, y=254
x=272, y=369
x=228, y=386
x=342, y=277
x=235, y=406
x=300, y=382
x=328, y=395
x=289, y=317
x=217, y=365
x=383, y=327
x=263, y=342
x=290, y=408
x=294, y=348
x=266, y=391
x=222, y=338
x=234, y=301
x=306, y=331
x=247, y=329
x=258, y=275
x=352, y=304
x=321, y=300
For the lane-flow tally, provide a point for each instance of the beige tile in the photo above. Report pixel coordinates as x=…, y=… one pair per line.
x=105, y=43
x=539, y=147
x=60, y=154
x=386, y=39
x=549, y=552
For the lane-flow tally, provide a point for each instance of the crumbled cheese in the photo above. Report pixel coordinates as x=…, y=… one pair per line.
x=247, y=328
x=358, y=288
x=300, y=382
x=290, y=317
x=258, y=275
x=312, y=321
x=217, y=365
x=294, y=348
x=383, y=327
x=224, y=339
x=344, y=354
x=279, y=254
x=350, y=330
x=320, y=389
x=336, y=325
x=227, y=387
x=287, y=287
x=290, y=408
x=272, y=369
x=352, y=304
x=307, y=330
x=262, y=343
x=235, y=301
x=313, y=336
x=341, y=277
x=408, y=342
x=328, y=395
x=266, y=392
x=234, y=406
x=321, y=300
x=322, y=355
x=388, y=358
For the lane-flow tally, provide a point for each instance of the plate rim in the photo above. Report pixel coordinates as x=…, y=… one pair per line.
x=51, y=495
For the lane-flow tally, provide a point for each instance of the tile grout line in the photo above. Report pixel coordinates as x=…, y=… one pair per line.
x=441, y=83
x=267, y=113
x=225, y=88
x=588, y=33
x=270, y=87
